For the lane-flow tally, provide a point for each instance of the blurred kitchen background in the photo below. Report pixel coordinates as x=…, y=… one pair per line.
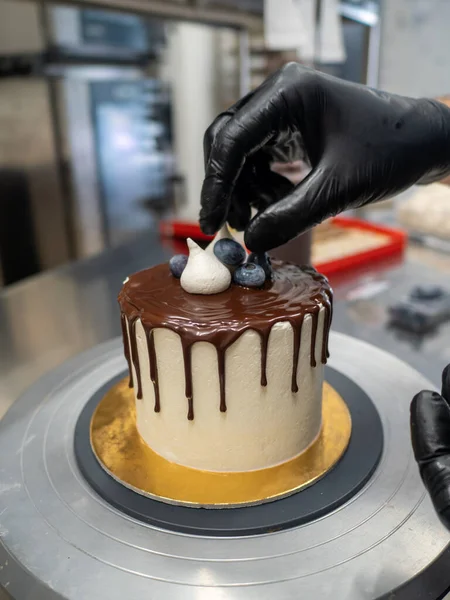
x=103, y=104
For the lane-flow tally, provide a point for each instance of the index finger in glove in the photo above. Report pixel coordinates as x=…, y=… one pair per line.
x=430, y=426
x=213, y=130
x=430, y=422
x=233, y=142
x=430, y=433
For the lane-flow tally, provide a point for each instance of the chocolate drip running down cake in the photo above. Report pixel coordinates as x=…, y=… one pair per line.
x=230, y=381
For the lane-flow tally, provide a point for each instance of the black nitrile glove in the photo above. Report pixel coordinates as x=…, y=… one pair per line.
x=363, y=145
x=430, y=433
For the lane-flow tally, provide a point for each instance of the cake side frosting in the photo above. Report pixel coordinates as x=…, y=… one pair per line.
x=155, y=299
x=263, y=425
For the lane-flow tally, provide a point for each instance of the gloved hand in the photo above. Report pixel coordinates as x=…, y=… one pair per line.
x=430, y=433
x=363, y=145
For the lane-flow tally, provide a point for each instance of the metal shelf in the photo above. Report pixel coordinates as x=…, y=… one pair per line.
x=188, y=10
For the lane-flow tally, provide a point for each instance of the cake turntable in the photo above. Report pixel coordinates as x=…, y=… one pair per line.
x=62, y=539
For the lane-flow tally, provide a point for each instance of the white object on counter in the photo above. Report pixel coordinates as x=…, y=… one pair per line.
x=427, y=211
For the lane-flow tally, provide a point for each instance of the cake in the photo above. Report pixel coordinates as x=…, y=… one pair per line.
x=228, y=381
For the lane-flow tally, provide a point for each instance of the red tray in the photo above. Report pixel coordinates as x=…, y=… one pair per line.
x=391, y=251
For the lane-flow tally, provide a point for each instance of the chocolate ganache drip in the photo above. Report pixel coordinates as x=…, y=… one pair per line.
x=156, y=298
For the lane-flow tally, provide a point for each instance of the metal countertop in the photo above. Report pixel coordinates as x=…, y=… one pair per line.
x=53, y=316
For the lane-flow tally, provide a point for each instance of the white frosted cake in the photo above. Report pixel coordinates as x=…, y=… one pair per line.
x=226, y=380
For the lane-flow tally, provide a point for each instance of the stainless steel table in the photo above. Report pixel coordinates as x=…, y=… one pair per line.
x=55, y=316
x=51, y=317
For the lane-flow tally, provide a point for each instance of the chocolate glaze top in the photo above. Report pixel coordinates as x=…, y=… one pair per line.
x=156, y=298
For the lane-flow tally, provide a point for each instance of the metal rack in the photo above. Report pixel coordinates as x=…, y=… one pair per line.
x=190, y=10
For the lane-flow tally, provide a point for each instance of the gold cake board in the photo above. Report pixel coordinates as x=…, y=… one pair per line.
x=127, y=458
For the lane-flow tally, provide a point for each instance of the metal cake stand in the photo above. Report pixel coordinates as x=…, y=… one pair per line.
x=59, y=539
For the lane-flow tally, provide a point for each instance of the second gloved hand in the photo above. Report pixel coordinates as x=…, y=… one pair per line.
x=430, y=433
x=362, y=145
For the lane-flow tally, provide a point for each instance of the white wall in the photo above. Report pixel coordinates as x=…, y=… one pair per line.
x=415, y=47
x=190, y=68
x=202, y=66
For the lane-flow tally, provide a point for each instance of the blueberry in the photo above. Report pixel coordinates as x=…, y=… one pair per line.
x=263, y=260
x=250, y=275
x=229, y=252
x=177, y=264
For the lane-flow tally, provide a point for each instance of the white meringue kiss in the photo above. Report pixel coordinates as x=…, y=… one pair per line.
x=204, y=273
